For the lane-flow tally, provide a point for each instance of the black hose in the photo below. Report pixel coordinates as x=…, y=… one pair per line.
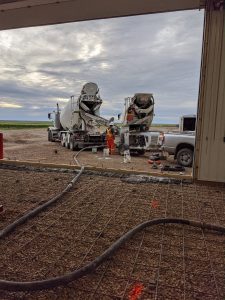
x=65, y=279
x=89, y=147
x=39, y=209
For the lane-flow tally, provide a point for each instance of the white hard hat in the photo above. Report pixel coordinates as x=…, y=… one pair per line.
x=111, y=123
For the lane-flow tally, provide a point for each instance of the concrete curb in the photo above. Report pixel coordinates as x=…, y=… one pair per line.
x=90, y=168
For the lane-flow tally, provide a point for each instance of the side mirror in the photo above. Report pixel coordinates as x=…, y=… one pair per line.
x=49, y=116
x=119, y=115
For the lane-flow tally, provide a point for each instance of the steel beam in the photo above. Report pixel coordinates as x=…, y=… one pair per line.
x=210, y=138
x=27, y=13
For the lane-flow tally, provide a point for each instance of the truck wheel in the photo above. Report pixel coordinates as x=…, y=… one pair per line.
x=49, y=136
x=185, y=157
x=67, y=143
x=141, y=152
x=62, y=140
x=72, y=146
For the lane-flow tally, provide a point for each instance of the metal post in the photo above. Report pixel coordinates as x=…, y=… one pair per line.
x=1, y=145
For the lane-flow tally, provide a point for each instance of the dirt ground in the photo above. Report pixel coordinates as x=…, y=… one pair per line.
x=170, y=262
x=164, y=262
x=32, y=145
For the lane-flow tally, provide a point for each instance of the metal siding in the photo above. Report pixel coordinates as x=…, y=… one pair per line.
x=210, y=148
x=34, y=13
x=220, y=128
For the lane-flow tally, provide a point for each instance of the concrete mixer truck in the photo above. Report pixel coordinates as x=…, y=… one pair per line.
x=78, y=124
x=137, y=119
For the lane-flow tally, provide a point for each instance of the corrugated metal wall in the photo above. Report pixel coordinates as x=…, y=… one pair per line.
x=210, y=143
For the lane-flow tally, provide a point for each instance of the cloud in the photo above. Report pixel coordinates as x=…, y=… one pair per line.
x=4, y=104
x=157, y=53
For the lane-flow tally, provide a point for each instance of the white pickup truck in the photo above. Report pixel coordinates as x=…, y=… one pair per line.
x=181, y=144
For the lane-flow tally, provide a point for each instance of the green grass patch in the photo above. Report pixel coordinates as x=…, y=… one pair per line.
x=46, y=124
x=164, y=125
x=154, y=125
x=24, y=124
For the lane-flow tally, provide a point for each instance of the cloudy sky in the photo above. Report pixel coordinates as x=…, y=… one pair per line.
x=160, y=54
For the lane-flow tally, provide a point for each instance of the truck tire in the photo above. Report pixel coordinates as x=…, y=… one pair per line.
x=72, y=146
x=62, y=140
x=141, y=152
x=49, y=136
x=185, y=157
x=67, y=143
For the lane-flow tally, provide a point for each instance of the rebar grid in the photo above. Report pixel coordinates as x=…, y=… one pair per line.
x=181, y=200
x=99, y=234
x=161, y=247
x=94, y=242
x=28, y=227
x=19, y=185
x=140, y=245
x=183, y=248
x=48, y=237
x=199, y=195
x=134, y=262
x=127, y=196
x=47, y=214
x=205, y=243
x=166, y=246
x=108, y=263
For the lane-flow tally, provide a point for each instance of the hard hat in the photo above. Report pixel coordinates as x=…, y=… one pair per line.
x=111, y=123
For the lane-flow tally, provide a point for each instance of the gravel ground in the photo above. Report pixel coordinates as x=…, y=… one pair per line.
x=167, y=262
x=32, y=145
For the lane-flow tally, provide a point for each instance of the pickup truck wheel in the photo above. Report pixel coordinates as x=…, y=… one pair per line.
x=185, y=157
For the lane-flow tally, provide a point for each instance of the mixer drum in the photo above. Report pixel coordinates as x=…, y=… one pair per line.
x=143, y=103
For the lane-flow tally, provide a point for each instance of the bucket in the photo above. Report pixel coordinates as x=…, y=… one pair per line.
x=94, y=150
x=1, y=145
x=105, y=152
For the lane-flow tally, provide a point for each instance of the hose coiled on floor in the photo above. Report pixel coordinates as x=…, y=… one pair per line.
x=65, y=279
x=87, y=269
x=37, y=210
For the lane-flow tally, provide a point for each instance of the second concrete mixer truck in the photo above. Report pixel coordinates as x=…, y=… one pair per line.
x=137, y=119
x=78, y=124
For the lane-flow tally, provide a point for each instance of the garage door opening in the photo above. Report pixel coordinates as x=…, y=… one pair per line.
x=167, y=260
x=158, y=54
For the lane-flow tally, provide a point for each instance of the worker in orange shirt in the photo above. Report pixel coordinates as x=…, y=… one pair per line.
x=110, y=137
